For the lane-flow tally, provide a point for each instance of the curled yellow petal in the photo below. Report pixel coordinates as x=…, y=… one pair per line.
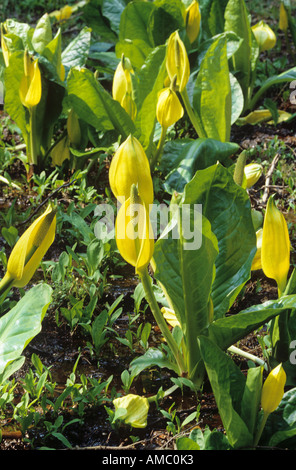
x=134, y=234
x=273, y=389
x=283, y=21
x=29, y=250
x=136, y=410
x=30, y=85
x=256, y=264
x=252, y=171
x=60, y=152
x=177, y=62
x=275, y=251
x=122, y=89
x=193, y=18
x=130, y=166
x=264, y=35
x=169, y=109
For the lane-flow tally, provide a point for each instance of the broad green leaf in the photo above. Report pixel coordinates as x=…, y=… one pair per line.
x=150, y=81
x=185, y=443
x=237, y=99
x=237, y=20
x=94, y=105
x=112, y=9
x=19, y=326
x=152, y=357
x=212, y=93
x=216, y=16
x=280, y=428
x=93, y=17
x=76, y=53
x=22, y=30
x=251, y=397
x=136, y=50
x=228, y=384
x=134, y=20
x=53, y=51
x=227, y=207
x=227, y=331
x=287, y=76
x=11, y=368
x=189, y=157
x=165, y=19
x=13, y=106
x=184, y=267
x=42, y=34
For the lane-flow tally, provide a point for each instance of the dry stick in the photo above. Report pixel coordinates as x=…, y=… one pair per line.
x=65, y=185
x=268, y=177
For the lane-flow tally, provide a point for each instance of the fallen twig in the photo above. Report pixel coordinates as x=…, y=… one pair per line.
x=65, y=185
x=268, y=177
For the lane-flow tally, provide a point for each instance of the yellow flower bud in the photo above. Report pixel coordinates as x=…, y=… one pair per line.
x=257, y=258
x=29, y=250
x=5, y=50
x=177, y=62
x=252, y=171
x=133, y=232
x=122, y=89
x=283, y=21
x=62, y=14
x=273, y=389
x=264, y=35
x=275, y=254
x=30, y=85
x=60, y=152
x=130, y=166
x=169, y=109
x=73, y=128
x=193, y=21
x=136, y=408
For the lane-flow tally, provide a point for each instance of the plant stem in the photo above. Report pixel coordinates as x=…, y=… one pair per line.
x=155, y=158
x=260, y=429
x=5, y=285
x=194, y=118
x=33, y=157
x=247, y=355
x=146, y=282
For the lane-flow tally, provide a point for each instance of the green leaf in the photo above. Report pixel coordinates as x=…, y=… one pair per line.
x=227, y=206
x=190, y=156
x=13, y=106
x=227, y=331
x=280, y=428
x=42, y=34
x=212, y=93
x=134, y=20
x=185, y=272
x=76, y=53
x=229, y=385
x=136, y=50
x=19, y=326
x=165, y=19
x=152, y=357
x=237, y=20
x=150, y=81
x=95, y=106
x=287, y=76
x=93, y=17
x=185, y=443
x=112, y=9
